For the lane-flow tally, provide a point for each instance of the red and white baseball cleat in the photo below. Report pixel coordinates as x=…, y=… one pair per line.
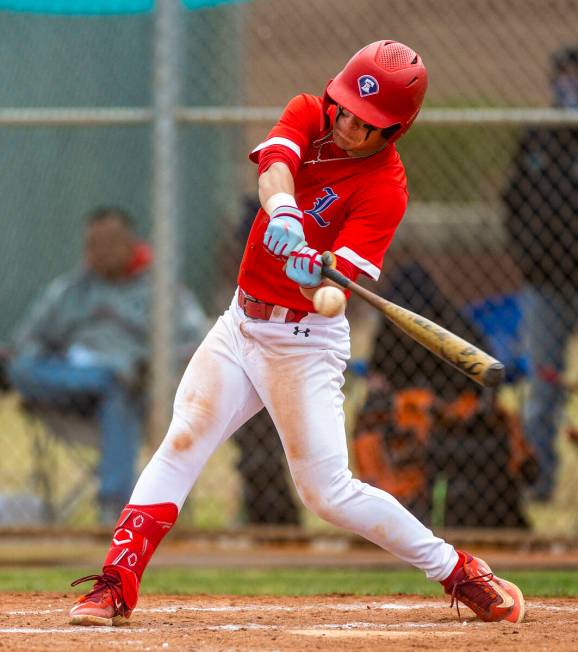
x=491, y=598
x=103, y=605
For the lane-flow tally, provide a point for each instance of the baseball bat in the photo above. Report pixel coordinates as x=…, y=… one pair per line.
x=464, y=356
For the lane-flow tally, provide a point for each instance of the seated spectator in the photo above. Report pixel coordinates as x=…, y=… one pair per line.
x=84, y=345
x=427, y=434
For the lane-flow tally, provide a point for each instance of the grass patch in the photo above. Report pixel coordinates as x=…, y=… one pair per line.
x=192, y=581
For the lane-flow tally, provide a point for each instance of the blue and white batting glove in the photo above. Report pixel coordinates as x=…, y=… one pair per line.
x=304, y=267
x=285, y=231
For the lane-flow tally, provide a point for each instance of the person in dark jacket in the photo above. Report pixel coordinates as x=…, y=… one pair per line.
x=541, y=202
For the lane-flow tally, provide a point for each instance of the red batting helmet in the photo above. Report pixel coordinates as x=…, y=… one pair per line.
x=383, y=84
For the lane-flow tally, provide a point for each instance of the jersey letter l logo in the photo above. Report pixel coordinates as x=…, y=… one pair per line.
x=321, y=204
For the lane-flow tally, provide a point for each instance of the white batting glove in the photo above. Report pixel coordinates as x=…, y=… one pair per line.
x=284, y=232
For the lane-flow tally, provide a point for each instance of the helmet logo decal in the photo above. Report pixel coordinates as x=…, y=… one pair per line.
x=367, y=85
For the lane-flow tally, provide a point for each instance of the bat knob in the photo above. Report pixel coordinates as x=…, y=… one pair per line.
x=328, y=259
x=494, y=375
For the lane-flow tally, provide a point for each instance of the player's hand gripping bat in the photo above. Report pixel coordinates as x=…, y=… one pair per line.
x=465, y=357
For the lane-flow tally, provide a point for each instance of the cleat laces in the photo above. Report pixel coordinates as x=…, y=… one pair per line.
x=477, y=591
x=102, y=583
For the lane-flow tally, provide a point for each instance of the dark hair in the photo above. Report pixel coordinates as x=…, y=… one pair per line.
x=102, y=213
x=388, y=132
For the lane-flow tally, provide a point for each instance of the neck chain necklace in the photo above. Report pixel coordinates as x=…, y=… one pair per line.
x=328, y=140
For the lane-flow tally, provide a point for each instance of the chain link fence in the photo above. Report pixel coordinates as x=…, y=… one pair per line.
x=488, y=247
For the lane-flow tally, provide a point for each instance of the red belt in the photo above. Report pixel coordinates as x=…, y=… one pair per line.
x=255, y=309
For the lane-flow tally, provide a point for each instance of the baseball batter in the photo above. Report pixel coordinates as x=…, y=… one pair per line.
x=330, y=178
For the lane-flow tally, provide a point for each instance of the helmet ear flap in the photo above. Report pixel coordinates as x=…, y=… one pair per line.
x=326, y=103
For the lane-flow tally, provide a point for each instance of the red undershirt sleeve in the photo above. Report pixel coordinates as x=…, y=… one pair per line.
x=346, y=268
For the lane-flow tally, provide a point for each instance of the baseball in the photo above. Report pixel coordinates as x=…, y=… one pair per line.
x=329, y=301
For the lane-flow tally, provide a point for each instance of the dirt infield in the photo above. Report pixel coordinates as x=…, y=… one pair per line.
x=38, y=622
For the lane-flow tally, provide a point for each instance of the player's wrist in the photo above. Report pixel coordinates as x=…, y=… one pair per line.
x=310, y=286
x=288, y=213
x=282, y=204
x=308, y=293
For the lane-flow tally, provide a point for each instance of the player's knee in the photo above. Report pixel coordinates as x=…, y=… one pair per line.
x=315, y=500
x=324, y=495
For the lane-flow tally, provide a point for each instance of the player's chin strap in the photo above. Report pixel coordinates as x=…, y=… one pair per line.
x=137, y=534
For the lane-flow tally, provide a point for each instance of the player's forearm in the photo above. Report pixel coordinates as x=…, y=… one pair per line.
x=275, y=180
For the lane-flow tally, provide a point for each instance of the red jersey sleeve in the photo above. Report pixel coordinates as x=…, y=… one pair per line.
x=346, y=268
x=375, y=214
x=290, y=138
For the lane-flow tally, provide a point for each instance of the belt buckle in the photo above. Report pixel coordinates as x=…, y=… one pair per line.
x=244, y=298
x=247, y=298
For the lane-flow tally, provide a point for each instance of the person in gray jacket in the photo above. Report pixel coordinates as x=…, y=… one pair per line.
x=85, y=344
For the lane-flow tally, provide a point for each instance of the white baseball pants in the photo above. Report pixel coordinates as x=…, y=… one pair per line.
x=296, y=372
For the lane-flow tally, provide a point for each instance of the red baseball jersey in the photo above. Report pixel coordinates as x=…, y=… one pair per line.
x=352, y=206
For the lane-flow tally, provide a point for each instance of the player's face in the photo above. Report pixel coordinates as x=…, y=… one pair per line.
x=355, y=136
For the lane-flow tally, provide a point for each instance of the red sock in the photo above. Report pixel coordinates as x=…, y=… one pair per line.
x=462, y=558
x=137, y=534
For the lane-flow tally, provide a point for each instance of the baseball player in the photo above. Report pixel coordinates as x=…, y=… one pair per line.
x=330, y=178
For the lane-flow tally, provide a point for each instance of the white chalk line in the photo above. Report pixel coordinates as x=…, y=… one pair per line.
x=344, y=607
x=372, y=633
x=551, y=607
x=356, y=628
x=229, y=627
x=40, y=612
x=365, y=606
x=75, y=630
